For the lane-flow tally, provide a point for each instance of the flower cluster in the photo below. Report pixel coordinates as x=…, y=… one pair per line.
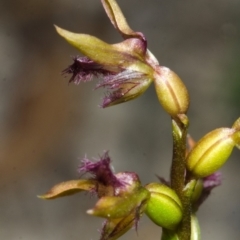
x=126, y=70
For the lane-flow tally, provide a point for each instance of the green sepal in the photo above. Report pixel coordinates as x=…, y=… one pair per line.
x=92, y=47
x=118, y=20
x=69, y=188
x=129, y=54
x=115, y=228
x=120, y=206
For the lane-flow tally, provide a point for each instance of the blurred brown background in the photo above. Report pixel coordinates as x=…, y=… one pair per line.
x=47, y=125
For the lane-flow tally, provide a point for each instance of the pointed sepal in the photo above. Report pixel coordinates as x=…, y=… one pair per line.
x=69, y=188
x=118, y=20
x=119, y=206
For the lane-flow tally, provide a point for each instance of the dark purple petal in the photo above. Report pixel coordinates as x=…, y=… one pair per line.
x=83, y=69
x=101, y=171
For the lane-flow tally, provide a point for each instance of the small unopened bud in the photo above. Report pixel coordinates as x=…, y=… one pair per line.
x=164, y=206
x=212, y=151
x=171, y=91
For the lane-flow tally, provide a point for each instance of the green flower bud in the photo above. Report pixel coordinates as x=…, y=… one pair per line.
x=164, y=206
x=171, y=91
x=212, y=151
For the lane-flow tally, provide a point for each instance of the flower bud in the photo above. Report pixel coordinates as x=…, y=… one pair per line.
x=171, y=91
x=212, y=151
x=164, y=206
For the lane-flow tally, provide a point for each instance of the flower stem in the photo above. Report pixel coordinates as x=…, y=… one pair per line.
x=184, y=230
x=179, y=132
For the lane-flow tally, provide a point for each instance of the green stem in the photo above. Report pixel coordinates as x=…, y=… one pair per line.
x=179, y=132
x=184, y=230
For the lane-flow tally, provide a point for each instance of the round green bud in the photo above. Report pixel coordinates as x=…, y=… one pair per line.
x=164, y=207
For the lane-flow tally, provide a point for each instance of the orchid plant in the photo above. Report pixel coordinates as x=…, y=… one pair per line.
x=126, y=70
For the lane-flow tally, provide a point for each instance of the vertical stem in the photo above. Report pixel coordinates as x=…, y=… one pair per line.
x=179, y=132
x=184, y=231
x=178, y=158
